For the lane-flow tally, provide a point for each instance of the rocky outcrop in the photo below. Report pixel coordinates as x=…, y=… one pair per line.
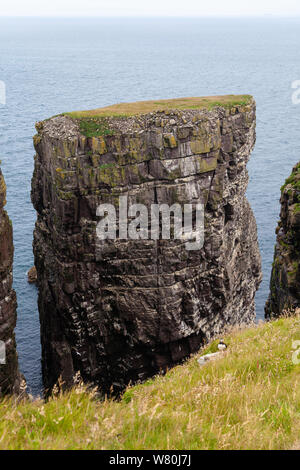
x=9, y=372
x=285, y=277
x=32, y=275
x=120, y=311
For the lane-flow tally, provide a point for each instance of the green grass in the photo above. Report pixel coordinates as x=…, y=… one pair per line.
x=294, y=179
x=94, y=127
x=248, y=399
x=143, y=107
x=297, y=208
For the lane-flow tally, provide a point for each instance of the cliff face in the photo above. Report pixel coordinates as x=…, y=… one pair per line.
x=9, y=372
x=285, y=277
x=123, y=310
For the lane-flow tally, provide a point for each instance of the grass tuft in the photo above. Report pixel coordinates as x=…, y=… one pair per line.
x=94, y=127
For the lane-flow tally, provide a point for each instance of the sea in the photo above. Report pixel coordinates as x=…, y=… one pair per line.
x=52, y=65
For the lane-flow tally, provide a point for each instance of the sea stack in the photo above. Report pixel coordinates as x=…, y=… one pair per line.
x=123, y=310
x=285, y=278
x=9, y=372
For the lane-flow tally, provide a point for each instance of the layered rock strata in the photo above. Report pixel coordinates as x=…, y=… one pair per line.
x=9, y=372
x=122, y=310
x=285, y=278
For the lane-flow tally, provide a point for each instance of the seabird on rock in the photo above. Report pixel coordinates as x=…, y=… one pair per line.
x=222, y=346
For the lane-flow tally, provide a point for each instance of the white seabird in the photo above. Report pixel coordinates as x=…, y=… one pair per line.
x=222, y=346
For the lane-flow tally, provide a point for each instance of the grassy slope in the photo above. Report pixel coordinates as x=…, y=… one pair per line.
x=144, y=107
x=248, y=399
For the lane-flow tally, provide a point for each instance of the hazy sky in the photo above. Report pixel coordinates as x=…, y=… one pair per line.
x=149, y=7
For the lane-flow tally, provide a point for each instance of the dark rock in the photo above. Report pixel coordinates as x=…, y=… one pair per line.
x=123, y=310
x=285, y=277
x=32, y=275
x=10, y=377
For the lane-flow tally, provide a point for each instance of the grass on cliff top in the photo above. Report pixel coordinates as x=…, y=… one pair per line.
x=144, y=107
x=248, y=399
x=294, y=179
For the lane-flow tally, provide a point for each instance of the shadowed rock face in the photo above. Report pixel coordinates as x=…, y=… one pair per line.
x=9, y=372
x=122, y=310
x=285, y=277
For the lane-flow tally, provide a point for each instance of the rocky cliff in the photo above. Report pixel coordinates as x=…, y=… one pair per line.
x=9, y=372
x=122, y=310
x=285, y=277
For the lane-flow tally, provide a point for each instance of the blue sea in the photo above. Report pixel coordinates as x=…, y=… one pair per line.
x=55, y=65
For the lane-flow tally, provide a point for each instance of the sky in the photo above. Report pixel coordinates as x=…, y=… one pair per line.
x=150, y=8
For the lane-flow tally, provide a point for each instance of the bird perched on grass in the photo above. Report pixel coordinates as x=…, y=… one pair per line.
x=222, y=346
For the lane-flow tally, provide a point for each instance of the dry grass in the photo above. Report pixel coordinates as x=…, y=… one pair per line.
x=248, y=399
x=144, y=107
